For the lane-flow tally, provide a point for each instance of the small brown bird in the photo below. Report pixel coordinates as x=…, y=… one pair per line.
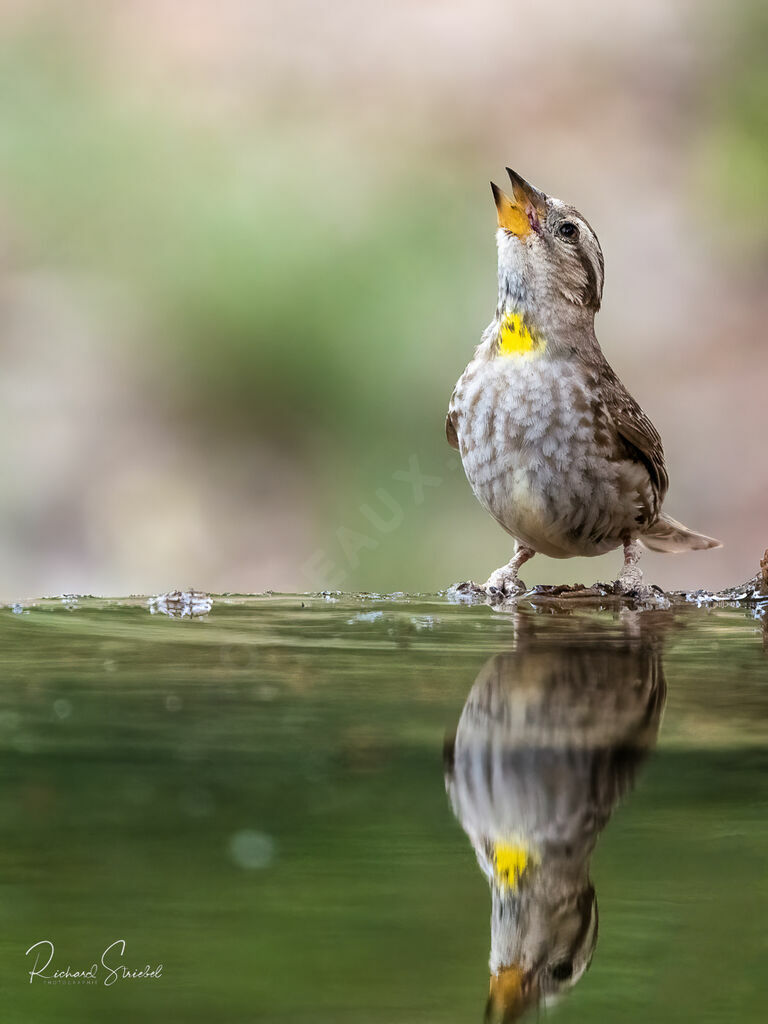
x=552, y=443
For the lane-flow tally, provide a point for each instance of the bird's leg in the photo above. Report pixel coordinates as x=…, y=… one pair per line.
x=630, y=577
x=505, y=580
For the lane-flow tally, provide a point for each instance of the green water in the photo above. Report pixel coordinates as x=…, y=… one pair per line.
x=257, y=801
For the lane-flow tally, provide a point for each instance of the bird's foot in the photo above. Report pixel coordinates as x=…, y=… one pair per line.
x=630, y=580
x=630, y=584
x=642, y=595
x=504, y=583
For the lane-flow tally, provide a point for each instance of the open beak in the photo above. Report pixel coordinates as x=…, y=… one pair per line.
x=524, y=211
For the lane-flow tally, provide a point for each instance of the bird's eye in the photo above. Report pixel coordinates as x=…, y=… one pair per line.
x=567, y=230
x=564, y=969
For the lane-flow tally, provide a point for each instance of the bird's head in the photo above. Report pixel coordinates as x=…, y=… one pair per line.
x=550, y=261
x=553, y=942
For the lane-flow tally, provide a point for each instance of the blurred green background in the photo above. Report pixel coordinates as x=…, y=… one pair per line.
x=246, y=250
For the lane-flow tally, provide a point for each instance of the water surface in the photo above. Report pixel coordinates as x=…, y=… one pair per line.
x=322, y=810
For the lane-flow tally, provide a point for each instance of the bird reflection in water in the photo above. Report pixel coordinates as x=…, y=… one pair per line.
x=549, y=740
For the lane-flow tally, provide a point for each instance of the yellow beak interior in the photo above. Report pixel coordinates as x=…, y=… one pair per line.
x=510, y=216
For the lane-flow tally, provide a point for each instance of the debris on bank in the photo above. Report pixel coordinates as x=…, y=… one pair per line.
x=179, y=604
x=752, y=594
x=569, y=595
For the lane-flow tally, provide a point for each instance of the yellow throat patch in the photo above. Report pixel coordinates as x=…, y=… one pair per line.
x=517, y=339
x=510, y=863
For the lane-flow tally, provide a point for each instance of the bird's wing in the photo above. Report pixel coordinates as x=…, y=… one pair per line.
x=450, y=431
x=637, y=432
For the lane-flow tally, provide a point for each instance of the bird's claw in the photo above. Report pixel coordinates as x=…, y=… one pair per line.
x=503, y=587
x=629, y=582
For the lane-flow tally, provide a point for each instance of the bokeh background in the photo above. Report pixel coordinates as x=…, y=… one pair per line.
x=247, y=248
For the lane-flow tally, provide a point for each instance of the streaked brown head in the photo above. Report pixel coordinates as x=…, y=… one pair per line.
x=548, y=253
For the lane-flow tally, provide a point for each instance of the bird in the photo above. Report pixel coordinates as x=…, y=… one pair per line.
x=550, y=739
x=552, y=443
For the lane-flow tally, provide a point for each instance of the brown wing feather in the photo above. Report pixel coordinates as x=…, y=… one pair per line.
x=450, y=433
x=637, y=431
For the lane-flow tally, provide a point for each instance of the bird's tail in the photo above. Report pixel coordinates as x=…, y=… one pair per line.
x=668, y=535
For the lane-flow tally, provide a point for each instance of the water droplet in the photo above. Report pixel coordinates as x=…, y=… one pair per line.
x=364, y=617
x=251, y=849
x=62, y=707
x=423, y=621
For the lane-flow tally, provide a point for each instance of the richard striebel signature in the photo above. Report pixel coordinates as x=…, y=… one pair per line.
x=112, y=970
